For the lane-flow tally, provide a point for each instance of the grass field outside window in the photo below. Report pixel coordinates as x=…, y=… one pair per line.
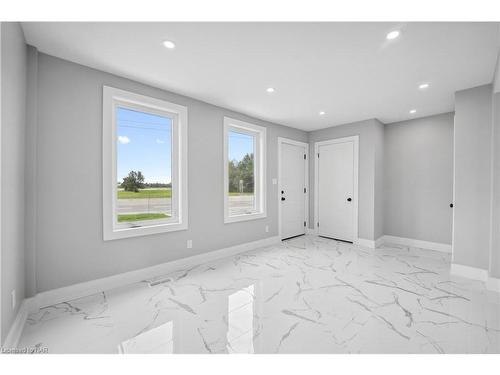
x=139, y=217
x=145, y=194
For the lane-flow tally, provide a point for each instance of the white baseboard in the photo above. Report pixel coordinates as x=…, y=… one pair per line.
x=493, y=284
x=52, y=297
x=469, y=272
x=365, y=243
x=16, y=330
x=415, y=243
x=371, y=244
x=310, y=231
x=379, y=241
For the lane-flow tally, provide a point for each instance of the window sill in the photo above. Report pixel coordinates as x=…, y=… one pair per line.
x=143, y=231
x=247, y=217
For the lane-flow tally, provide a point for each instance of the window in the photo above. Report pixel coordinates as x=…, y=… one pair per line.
x=144, y=165
x=244, y=171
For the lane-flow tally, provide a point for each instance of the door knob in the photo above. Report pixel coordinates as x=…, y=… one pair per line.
x=349, y=199
x=451, y=205
x=282, y=198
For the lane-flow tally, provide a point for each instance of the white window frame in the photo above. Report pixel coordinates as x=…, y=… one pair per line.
x=259, y=166
x=112, y=98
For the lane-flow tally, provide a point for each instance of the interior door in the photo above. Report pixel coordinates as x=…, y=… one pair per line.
x=336, y=190
x=293, y=189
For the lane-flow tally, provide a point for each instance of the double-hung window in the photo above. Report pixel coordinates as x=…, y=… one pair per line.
x=144, y=165
x=244, y=171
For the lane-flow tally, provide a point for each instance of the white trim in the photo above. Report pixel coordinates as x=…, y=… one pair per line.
x=245, y=217
x=311, y=231
x=371, y=244
x=379, y=241
x=416, y=243
x=16, y=330
x=111, y=98
x=365, y=243
x=493, y=284
x=71, y=292
x=469, y=272
x=282, y=140
x=260, y=161
x=355, y=140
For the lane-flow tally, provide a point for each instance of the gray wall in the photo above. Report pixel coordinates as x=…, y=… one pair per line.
x=369, y=139
x=495, y=159
x=495, y=199
x=473, y=135
x=379, y=191
x=68, y=230
x=496, y=79
x=30, y=172
x=14, y=59
x=419, y=178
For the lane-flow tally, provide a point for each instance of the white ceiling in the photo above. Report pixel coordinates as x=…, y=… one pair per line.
x=348, y=70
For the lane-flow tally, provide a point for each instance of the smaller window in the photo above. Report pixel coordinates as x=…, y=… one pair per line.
x=244, y=171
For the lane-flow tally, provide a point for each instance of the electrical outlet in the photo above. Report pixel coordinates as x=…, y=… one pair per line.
x=189, y=244
x=267, y=228
x=13, y=299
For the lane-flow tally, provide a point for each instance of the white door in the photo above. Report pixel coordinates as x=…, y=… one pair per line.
x=293, y=189
x=336, y=190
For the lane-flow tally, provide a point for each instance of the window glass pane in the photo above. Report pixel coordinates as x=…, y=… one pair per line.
x=144, y=167
x=241, y=149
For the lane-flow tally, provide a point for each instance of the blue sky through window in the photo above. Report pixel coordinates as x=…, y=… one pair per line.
x=144, y=143
x=239, y=145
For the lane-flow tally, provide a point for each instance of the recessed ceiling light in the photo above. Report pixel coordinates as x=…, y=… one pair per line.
x=169, y=44
x=321, y=113
x=270, y=89
x=412, y=111
x=423, y=86
x=393, y=35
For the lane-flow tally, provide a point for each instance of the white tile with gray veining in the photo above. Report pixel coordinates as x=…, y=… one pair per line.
x=307, y=295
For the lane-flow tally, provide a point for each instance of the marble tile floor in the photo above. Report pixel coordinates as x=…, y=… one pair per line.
x=306, y=295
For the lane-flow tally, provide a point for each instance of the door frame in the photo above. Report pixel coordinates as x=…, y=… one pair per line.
x=317, y=145
x=281, y=141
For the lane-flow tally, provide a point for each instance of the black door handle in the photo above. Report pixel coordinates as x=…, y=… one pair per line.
x=282, y=198
x=349, y=199
x=451, y=205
